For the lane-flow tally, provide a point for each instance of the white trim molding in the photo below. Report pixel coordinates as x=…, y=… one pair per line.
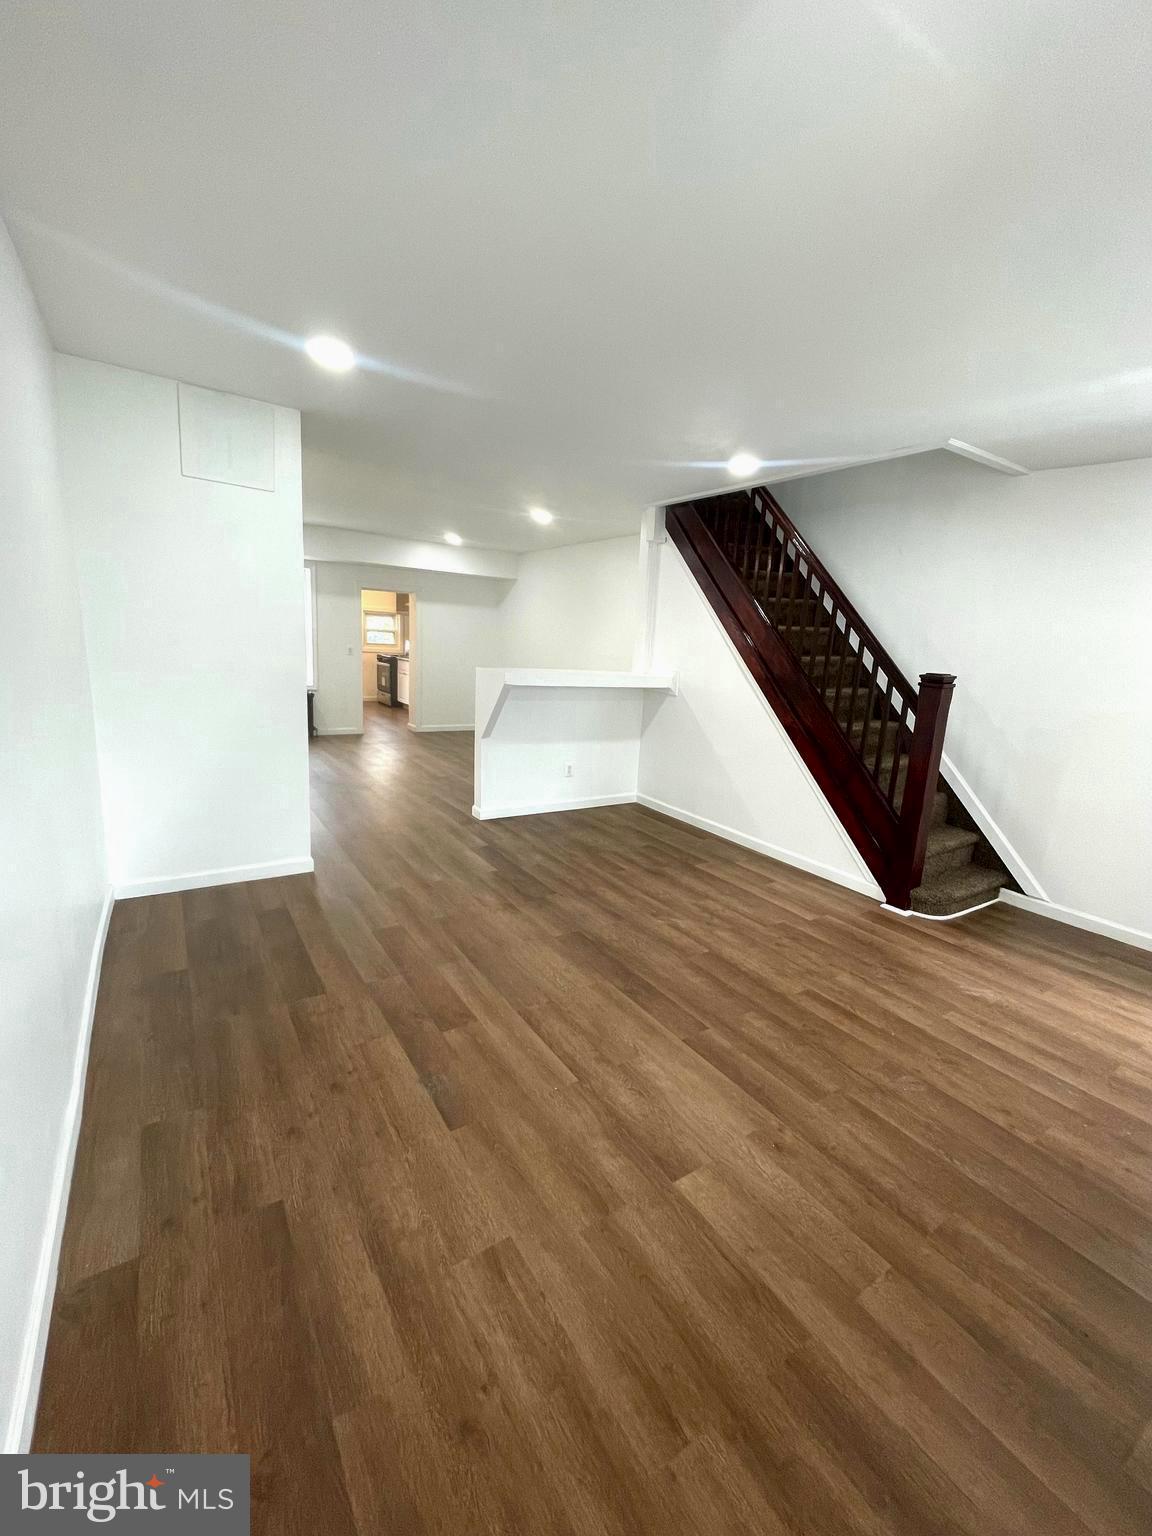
x=342, y=730
x=936, y=917
x=1048, y=909
x=160, y=885
x=1104, y=926
x=982, y=456
x=422, y=728
x=543, y=807
x=863, y=885
x=22, y=1419
x=991, y=829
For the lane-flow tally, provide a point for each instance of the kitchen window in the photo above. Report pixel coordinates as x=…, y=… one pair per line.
x=379, y=629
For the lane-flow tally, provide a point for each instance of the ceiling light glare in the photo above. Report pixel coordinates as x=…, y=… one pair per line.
x=453, y=538
x=540, y=515
x=331, y=353
x=741, y=465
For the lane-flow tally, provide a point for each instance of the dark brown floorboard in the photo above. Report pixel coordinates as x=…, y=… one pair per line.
x=586, y=1174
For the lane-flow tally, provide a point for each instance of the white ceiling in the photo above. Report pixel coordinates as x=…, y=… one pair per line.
x=606, y=242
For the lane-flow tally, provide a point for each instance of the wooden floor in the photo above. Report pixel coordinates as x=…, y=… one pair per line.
x=587, y=1174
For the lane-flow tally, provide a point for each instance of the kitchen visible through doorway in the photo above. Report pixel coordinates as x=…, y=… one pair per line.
x=385, y=653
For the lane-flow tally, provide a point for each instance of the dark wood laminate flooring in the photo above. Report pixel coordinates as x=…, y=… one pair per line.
x=587, y=1174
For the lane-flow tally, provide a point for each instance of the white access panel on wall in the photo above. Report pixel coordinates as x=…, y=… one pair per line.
x=227, y=438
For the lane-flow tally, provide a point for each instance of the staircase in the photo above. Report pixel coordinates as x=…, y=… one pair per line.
x=871, y=740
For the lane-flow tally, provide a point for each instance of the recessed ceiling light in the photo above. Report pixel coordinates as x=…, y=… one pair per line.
x=540, y=514
x=741, y=465
x=453, y=538
x=331, y=353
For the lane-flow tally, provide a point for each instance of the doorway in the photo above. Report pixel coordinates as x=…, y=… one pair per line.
x=385, y=649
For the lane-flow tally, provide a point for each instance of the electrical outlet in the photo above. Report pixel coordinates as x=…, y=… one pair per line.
x=567, y=770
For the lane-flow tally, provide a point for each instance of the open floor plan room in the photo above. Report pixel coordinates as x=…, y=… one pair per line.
x=588, y=1173
x=576, y=931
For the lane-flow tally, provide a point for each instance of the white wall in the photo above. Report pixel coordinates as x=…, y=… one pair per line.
x=716, y=755
x=455, y=628
x=570, y=607
x=53, y=887
x=541, y=732
x=191, y=594
x=575, y=607
x=551, y=739
x=1037, y=592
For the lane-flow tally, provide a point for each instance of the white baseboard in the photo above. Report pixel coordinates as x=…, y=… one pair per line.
x=937, y=917
x=22, y=1419
x=1058, y=914
x=863, y=885
x=991, y=829
x=162, y=884
x=543, y=807
x=342, y=730
x=469, y=727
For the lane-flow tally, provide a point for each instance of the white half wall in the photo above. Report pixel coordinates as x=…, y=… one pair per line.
x=577, y=606
x=715, y=754
x=191, y=599
x=556, y=739
x=1037, y=592
x=557, y=749
x=455, y=628
x=54, y=897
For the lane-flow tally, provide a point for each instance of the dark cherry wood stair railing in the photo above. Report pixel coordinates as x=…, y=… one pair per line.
x=872, y=741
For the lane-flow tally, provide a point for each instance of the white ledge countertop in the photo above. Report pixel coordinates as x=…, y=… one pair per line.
x=559, y=738
x=572, y=677
x=494, y=684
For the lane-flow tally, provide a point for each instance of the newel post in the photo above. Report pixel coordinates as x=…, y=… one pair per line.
x=932, y=706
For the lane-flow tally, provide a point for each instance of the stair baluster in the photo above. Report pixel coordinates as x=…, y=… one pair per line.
x=872, y=741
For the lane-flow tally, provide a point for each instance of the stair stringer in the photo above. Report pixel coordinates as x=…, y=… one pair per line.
x=996, y=836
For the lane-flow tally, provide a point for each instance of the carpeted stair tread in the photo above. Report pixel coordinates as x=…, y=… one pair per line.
x=949, y=848
x=955, y=890
x=951, y=882
x=948, y=838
